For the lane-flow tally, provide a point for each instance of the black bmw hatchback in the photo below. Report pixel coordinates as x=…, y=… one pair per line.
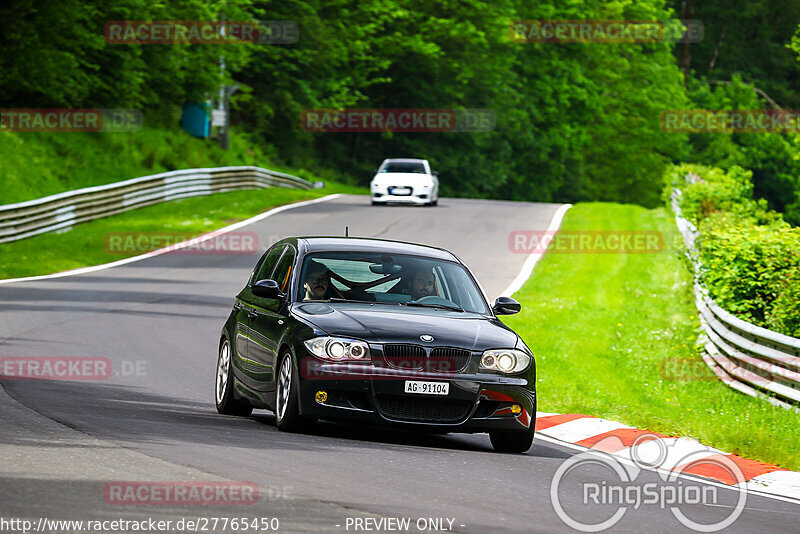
x=375, y=331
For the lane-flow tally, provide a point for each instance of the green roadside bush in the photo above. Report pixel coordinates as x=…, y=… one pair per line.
x=753, y=271
x=750, y=256
x=717, y=191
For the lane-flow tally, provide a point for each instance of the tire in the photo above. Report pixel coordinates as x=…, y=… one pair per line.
x=518, y=441
x=287, y=405
x=435, y=202
x=374, y=203
x=227, y=403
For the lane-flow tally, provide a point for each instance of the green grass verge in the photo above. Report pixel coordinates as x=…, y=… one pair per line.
x=85, y=244
x=609, y=331
x=35, y=165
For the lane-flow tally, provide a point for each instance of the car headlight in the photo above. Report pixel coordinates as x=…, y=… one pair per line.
x=338, y=349
x=505, y=360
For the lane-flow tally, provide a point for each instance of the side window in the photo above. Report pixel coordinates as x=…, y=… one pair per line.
x=284, y=269
x=265, y=269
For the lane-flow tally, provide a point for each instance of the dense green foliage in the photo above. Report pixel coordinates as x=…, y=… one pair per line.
x=771, y=156
x=750, y=256
x=574, y=121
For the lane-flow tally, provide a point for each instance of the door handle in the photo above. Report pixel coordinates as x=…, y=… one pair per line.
x=237, y=306
x=252, y=314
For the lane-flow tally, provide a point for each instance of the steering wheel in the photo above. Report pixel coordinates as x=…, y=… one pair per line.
x=433, y=299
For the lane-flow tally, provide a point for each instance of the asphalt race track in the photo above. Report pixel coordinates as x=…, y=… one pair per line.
x=158, y=321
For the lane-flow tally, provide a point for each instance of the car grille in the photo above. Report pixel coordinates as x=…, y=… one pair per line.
x=423, y=410
x=446, y=359
x=404, y=356
x=441, y=359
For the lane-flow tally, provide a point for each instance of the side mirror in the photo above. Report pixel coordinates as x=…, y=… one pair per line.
x=506, y=306
x=435, y=173
x=268, y=289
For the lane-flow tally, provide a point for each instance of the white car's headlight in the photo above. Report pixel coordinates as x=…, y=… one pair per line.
x=338, y=349
x=505, y=360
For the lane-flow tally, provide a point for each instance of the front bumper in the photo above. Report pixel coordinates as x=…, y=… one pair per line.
x=385, y=195
x=476, y=402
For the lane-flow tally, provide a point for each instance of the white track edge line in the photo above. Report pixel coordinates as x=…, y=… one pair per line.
x=177, y=246
x=534, y=257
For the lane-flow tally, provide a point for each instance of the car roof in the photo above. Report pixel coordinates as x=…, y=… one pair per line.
x=405, y=160
x=361, y=244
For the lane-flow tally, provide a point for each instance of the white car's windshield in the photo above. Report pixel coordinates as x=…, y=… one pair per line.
x=393, y=279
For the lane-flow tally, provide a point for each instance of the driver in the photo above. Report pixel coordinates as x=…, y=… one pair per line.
x=421, y=284
x=317, y=282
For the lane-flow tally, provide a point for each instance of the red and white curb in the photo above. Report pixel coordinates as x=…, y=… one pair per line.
x=630, y=443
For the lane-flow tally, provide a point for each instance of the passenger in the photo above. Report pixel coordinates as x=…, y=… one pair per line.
x=317, y=282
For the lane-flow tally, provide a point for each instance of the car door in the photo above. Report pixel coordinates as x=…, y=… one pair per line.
x=268, y=320
x=249, y=371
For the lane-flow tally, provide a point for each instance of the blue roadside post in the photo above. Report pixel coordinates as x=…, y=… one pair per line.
x=195, y=119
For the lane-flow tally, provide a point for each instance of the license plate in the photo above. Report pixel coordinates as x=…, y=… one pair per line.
x=427, y=388
x=400, y=191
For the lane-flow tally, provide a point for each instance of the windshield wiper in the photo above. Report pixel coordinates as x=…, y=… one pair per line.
x=439, y=306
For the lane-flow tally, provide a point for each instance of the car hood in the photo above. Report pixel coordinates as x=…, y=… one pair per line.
x=400, y=324
x=402, y=178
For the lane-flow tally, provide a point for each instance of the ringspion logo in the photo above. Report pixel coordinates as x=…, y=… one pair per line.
x=613, y=483
x=70, y=120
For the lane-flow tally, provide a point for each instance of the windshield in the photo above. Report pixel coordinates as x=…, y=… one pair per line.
x=404, y=166
x=391, y=279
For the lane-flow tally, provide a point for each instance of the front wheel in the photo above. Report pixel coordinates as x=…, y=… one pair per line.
x=227, y=403
x=287, y=406
x=516, y=441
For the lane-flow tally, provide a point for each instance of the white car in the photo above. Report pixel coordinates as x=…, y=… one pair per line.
x=407, y=181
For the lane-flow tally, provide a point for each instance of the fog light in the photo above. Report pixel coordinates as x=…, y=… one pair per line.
x=321, y=396
x=516, y=409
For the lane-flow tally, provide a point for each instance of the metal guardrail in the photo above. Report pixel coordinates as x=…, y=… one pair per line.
x=751, y=359
x=61, y=212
